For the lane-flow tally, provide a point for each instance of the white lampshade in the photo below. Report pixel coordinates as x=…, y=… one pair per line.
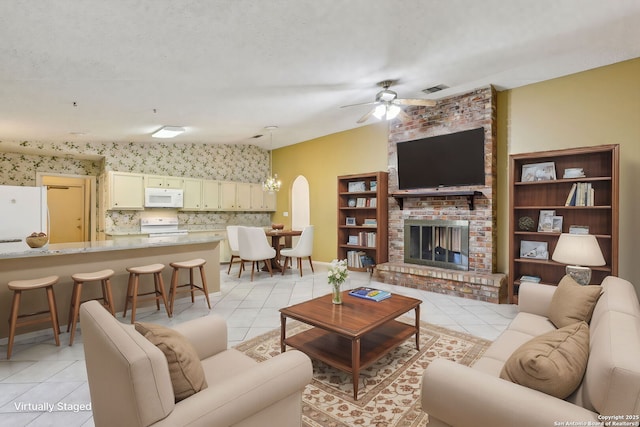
x=578, y=249
x=380, y=111
x=393, y=111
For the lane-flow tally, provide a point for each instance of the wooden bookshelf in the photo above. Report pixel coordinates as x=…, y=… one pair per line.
x=363, y=217
x=527, y=199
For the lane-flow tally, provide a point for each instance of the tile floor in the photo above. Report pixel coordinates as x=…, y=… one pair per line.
x=45, y=385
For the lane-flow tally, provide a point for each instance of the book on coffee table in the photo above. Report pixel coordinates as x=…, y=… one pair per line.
x=370, y=293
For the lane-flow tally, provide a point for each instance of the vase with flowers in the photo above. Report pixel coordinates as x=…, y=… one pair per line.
x=337, y=275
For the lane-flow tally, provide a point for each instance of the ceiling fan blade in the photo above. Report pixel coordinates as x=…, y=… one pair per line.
x=409, y=101
x=366, y=116
x=363, y=103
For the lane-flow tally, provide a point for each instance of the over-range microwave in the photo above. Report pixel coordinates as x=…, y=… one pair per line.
x=163, y=197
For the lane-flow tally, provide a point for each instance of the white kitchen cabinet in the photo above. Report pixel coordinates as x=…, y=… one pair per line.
x=160, y=181
x=210, y=195
x=235, y=196
x=125, y=191
x=262, y=200
x=192, y=200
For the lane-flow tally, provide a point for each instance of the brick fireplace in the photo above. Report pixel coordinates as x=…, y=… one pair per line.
x=478, y=279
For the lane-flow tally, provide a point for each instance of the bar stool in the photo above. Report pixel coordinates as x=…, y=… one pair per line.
x=15, y=320
x=191, y=264
x=79, y=279
x=132, y=288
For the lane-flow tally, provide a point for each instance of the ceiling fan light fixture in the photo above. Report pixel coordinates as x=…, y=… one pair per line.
x=168, y=132
x=380, y=111
x=392, y=111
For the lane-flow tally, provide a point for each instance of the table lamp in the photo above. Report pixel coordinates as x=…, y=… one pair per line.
x=579, y=252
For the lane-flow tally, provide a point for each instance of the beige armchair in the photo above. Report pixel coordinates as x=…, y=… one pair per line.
x=130, y=384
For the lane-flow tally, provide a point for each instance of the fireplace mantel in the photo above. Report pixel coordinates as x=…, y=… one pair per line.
x=469, y=194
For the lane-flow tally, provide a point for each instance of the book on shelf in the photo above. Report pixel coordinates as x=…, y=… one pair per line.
x=370, y=222
x=354, y=259
x=370, y=293
x=533, y=279
x=361, y=202
x=372, y=202
x=581, y=194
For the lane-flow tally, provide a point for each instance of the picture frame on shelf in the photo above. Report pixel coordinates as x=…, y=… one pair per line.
x=545, y=222
x=356, y=186
x=556, y=227
x=373, y=186
x=545, y=171
x=353, y=240
x=351, y=220
x=534, y=250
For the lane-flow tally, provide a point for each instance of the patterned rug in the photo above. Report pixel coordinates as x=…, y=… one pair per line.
x=389, y=390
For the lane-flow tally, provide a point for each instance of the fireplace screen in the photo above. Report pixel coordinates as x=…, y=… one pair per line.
x=437, y=243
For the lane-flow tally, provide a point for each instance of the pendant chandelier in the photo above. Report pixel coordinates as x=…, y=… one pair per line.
x=272, y=183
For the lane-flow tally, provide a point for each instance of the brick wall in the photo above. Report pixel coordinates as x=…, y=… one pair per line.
x=454, y=114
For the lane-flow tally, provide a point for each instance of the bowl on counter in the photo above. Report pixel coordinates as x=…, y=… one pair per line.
x=277, y=226
x=37, y=241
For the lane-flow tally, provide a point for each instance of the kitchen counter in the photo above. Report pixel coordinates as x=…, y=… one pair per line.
x=19, y=262
x=22, y=250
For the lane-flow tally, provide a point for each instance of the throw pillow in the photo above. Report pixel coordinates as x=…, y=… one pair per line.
x=572, y=302
x=185, y=368
x=553, y=363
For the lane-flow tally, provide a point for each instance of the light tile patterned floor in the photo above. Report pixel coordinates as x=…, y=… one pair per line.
x=39, y=373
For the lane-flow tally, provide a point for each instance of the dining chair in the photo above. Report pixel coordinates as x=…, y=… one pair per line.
x=253, y=246
x=302, y=249
x=232, y=238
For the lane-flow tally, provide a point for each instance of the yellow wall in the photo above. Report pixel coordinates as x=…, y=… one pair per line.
x=600, y=106
x=321, y=161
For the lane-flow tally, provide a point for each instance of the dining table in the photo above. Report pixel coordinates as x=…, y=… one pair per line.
x=276, y=240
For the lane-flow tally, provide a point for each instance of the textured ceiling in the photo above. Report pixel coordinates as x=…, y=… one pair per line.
x=225, y=69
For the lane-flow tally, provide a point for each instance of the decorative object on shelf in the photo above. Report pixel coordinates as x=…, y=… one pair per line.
x=573, y=173
x=351, y=203
x=272, y=183
x=545, y=171
x=356, y=186
x=579, y=229
x=545, y=223
x=336, y=276
x=526, y=223
x=277, y=226
x=37, y=240
x=579, y=252
x=556, y=226
x=534, y=250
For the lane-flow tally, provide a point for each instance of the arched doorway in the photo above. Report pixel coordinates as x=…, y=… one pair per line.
x=300, y=216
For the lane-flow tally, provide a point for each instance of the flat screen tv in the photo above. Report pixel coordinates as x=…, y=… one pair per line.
x=455, y=159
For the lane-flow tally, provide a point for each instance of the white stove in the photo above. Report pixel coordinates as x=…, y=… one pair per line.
x=161, y=227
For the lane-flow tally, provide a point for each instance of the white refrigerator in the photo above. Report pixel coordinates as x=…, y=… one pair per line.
x=23, y=210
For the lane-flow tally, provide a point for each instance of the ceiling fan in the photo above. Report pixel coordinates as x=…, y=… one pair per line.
x=387, y=104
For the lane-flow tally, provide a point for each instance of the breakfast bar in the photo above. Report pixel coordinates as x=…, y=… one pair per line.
x=19, y=262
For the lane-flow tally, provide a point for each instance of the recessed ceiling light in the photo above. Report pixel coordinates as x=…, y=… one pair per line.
x=168, y=132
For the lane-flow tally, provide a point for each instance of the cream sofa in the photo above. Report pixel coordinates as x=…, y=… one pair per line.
x=456, y=395
x=130, y=384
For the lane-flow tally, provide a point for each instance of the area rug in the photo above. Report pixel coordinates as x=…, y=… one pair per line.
x=389, y=390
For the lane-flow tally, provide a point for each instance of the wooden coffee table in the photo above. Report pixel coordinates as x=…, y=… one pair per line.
x=353, y=335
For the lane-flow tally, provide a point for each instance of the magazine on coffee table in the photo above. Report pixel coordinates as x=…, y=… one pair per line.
x=370, y=293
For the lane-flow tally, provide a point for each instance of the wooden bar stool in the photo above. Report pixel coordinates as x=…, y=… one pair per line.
x=191, y=264
x=16, y=320
x=79, y=279
x=132, y=289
